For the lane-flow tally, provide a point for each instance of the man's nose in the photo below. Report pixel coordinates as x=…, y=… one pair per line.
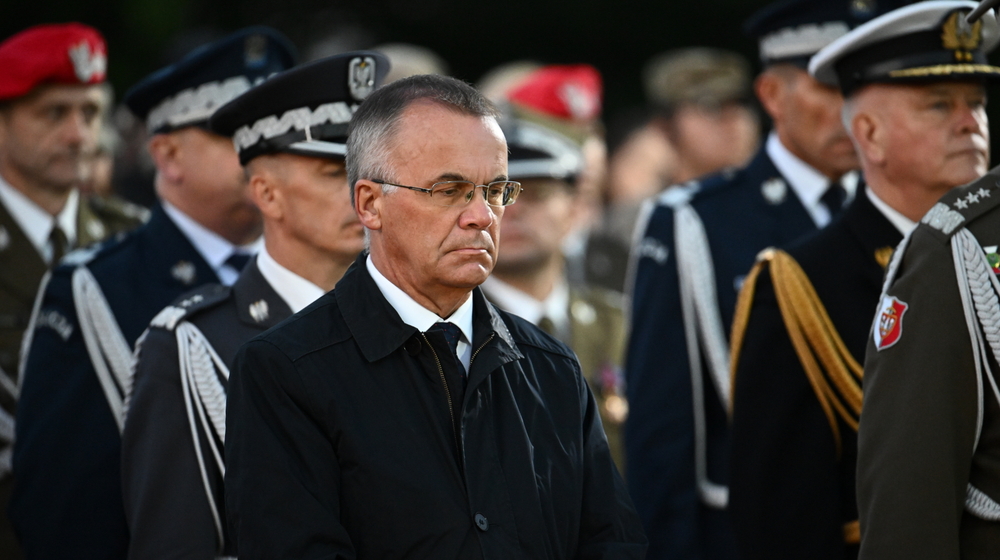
x=477, y=213
x=76, y=129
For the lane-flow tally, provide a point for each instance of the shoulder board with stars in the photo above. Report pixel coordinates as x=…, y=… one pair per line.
x=191, y=304
x=964, y=204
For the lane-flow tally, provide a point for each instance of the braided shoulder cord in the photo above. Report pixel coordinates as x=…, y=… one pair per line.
x=205, y=402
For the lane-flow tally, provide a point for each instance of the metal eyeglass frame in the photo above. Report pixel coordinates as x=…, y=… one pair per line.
x=430, y=192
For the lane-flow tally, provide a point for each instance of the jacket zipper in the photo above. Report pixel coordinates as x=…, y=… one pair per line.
x=447, y=393
x=480, y=348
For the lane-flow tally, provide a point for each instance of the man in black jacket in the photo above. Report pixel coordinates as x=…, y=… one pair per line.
x=353, y=428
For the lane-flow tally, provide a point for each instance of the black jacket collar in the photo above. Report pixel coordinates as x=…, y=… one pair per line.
x=379, y=331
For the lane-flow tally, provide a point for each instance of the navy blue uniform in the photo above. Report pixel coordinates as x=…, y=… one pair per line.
x=792, y=490
x=740, y=220
x=67, y=500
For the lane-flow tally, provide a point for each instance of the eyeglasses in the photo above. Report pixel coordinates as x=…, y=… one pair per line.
x=457, y=193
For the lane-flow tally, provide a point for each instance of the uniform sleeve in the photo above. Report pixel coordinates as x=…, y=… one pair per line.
x=610, y=526
x=659, y=433
x=918, y=424
x=166, y=506
x=282, y=471
x=785, y=484
x=67, y=476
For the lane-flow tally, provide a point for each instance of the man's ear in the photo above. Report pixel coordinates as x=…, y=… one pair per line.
x=263, y=191
x=368, y=200
x=165, y=151
x=868, y=137
x=770, y=89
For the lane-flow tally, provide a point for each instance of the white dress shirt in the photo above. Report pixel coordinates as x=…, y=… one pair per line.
x=421, y=318
x=512, y=300
x=807, y=183
x=36, y=223
x=211, y=246
x=902, y=223
x=294, y=289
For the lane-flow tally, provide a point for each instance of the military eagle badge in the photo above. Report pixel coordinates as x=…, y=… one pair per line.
x=960, y=36
x=889, y=322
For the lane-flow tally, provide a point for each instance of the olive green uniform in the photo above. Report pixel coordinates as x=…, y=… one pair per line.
x=929, y=439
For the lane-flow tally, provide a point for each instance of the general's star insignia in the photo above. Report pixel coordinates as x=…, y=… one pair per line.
x=983, y=193
x=972, y=198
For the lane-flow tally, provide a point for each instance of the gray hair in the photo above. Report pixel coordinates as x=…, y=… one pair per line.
x=376, y=122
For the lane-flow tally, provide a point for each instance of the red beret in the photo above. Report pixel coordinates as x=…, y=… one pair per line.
x=68, y=53
x=564, y=92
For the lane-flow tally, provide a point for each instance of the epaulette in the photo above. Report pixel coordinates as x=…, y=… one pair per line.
x=86, y=255
x=191, y=304
x=678, y=195
x=114, y=207
x=964, y=204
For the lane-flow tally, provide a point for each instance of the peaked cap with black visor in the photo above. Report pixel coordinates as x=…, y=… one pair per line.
x=925, y=42
x=187, y=92
x=539, y=152
x=305, y=110
x=791, y=31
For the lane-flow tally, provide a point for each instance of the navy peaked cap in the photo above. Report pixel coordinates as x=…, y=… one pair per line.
x=187, y=92
x=305, y=110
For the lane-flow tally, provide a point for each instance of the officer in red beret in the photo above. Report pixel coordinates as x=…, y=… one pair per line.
x=51, y=104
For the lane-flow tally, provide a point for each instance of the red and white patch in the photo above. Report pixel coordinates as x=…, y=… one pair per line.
x=889, y=322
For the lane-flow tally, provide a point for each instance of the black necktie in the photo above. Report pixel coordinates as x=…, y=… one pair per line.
x=834, y=198
x=452, y=334
x=57, y=237
x=238, y=261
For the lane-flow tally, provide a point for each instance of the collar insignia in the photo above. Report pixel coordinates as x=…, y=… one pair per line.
x=259, y=311
x=960, y=36
x=183, y=272
x=361, y=77
x=774, y=190
x=883, y=255
x=993, y=258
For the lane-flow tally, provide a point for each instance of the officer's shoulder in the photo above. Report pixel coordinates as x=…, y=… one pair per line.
x=117, y=212
x=318, y=326
x=525, y=334
x=978, y=201
x=90, y=255
x=187, y=307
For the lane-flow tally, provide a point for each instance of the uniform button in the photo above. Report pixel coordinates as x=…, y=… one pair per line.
x=482, y=522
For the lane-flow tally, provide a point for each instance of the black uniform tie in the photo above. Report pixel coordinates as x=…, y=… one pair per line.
x=834, y=198
x=57, y=237
x=238, y=261
x=453, y=335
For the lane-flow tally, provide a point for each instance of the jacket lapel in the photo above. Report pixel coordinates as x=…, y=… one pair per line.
x=257, y=303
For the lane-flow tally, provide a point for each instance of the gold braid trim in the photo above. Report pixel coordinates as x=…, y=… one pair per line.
x=740, y=320
x=833, y=373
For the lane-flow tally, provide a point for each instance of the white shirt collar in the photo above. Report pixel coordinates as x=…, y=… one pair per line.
x=294, y=289
x=211, y=246
x=421, y=318
x=509, y=298
x=35, y=222
x=902, y=223
x=809, y=185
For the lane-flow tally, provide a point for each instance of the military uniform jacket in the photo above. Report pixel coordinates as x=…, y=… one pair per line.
x=170, y=512
x=21, y=271
x=791, y=488
x=349, y=436
x=743, y=212
x=929, y=440
x=67, y=455
x=597, y=335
